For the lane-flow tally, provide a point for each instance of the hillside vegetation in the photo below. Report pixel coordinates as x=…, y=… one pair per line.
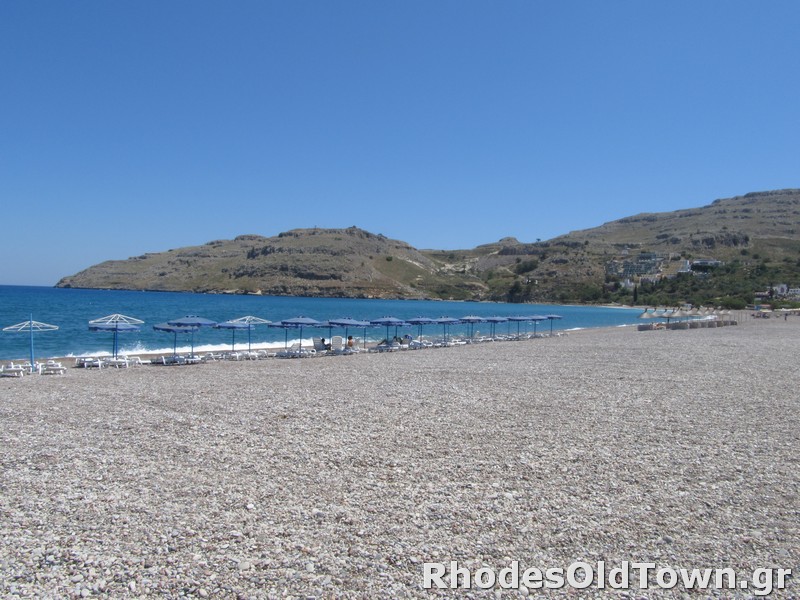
x=749, y=243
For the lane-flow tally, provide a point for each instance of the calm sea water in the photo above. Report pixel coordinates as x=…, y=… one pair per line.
x=72, y=309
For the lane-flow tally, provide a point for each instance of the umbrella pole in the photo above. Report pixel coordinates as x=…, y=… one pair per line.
x=31, y=332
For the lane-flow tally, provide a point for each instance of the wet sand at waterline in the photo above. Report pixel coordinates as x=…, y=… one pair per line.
x=339, y=477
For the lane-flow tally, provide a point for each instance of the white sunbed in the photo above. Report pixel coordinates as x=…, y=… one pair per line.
x=12, y=370
x=52, y=368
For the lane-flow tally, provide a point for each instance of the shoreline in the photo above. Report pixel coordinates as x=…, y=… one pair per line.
x=739, y=316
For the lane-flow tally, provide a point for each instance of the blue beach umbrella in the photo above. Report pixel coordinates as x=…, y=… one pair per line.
x=518, y=319
x=175, y=330
x=116, y=328
x=419, y=322
x=389, y=322
x=233, y=326
x=30, y=327
x=536, y=319
x=446, y=322
x=471, y=320
x=553, y=318
x=295, y=323
x=192, y=321
x=493, y=321
x=327, y=325
x=347, y=322
x=118, y=324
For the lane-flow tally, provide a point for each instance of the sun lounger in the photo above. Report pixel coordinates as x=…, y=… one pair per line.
x=12, y=370
x=88, y=362
x=118, y=363
x=296, y=351
x=337, y=345
x=168, y=360
x=388, y=347
x=320, y=348
x=52, y=368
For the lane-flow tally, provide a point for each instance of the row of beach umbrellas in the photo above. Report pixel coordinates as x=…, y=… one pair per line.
x=118, y=323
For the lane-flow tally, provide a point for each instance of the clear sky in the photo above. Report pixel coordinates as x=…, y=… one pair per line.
x=138, y=126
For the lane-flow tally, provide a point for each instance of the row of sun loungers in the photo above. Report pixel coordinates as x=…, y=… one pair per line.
x=696, y=324
x=120, y=362
x=20, y=369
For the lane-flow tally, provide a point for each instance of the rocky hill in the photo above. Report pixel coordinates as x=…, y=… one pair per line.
x=757, y=232
x=303, y=262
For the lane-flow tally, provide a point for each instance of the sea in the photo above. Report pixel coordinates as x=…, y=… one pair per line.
x=72, y=309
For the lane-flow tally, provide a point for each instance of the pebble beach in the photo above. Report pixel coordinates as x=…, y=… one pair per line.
x=340, y=477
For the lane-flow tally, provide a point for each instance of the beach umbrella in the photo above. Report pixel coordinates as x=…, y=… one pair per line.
x=233, y=326
x=535, y=319
x=493, y=321
x=116, y=328
x=420, y=321
x=30, y=327
x=250, y=320
x=656, y=313
x=389, y=322
x=347, y=322
x=175, y=330
x=192, y=321
x=647, y=314
x=552, y=318
x=471, y=320
x=295, y=323
x=447, y=322
x=116, y=323
x=518, y=319
x=329, y=326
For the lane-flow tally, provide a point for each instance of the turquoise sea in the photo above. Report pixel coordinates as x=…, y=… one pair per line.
x=72, y=309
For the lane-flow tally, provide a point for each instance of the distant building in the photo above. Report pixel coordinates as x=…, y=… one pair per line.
x=781, y=289
x=707, y=263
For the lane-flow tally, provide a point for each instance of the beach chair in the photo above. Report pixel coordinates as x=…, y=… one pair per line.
x=52, y=367
x=119, y=362
x=12, y=370
x=320, y=348
x=337, y=345
x=293, y=351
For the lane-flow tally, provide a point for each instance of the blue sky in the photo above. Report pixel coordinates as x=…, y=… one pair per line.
x=139, y=126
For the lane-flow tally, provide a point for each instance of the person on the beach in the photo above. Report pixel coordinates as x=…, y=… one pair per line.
x=350, y=342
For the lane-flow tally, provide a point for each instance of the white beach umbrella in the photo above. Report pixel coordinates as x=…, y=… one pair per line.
x=31, y=326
